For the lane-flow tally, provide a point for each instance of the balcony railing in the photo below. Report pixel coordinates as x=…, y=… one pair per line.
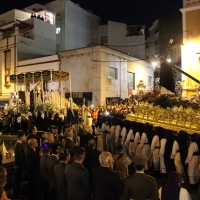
x=188, y=3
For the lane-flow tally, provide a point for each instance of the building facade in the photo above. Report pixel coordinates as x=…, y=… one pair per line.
x=129, y=39
x=191, y=45
x=102, y=73
x=22, y=37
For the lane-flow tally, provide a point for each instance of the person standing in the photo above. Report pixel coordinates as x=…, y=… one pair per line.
x=106, y=184
x=179, y=153
x=59, y=172
x=77, y=177
x=121, y=162
x=155, y=149
x=32, y=169
x=140, y=185
x=43, y=166
x=193, y=160
x=172, y=189
x=19, y=164
x=52, y=161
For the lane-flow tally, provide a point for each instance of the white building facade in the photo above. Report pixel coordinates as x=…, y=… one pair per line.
x=127, y=39
x=103, y=73
x=22, y=37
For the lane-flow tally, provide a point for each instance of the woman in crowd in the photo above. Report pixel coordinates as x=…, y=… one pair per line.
x=172, y=190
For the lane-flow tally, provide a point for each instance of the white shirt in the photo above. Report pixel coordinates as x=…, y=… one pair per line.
x=144, y=139
x=175, y=148
x=162, y=147
x=155, y=143
x=184, y=195
x=192, y=148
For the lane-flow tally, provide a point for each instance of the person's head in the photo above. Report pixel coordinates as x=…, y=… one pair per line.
x=54, y=148
x=33, y=129
x=73, y=125
x=32, y=143
x=3, y=170
x=21, y=135
x=50, y=138
x=79, y=153
x=139, y=162
x=54, y=130
x=80, y=121
x=91, y=143
x=64, y=155
x=119, y=149
x=106, y=159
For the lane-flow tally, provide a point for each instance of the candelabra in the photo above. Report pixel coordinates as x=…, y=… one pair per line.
x=16, y=101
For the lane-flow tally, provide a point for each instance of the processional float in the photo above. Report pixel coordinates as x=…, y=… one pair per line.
x=37, y=96
x=175, y=118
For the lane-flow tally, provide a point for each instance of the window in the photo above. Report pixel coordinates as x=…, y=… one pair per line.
x=112, y=73
x=104, y=40
x=131, y=80
x=57, y=30
x=149, y=80
x=7, y=59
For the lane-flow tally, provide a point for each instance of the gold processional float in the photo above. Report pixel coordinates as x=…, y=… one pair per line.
x=175, y=118
x=42, y=100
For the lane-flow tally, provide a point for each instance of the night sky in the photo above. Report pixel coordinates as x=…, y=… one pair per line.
x=131, y=12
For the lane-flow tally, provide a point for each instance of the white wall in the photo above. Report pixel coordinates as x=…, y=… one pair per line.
x=127, y=44
x=77, y=24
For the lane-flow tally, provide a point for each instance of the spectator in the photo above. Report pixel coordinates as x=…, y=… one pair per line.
x=140, y=185
x=121, y=162
x=106, y=184
x=92, y=156
x=43, y=166
x=52, y=161
x=172, y=190
x=78, y=177
x=19, y=159
x=59, y=172
x=69, y=143
x=32, y=169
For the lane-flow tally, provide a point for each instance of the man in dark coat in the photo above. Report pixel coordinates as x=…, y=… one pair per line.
x=33, y=134
x=19, y=159
x=43, y=166
x=81, y=132
x=78, y=177
x=32, y=169
x=140, y=185
x=59, y=172
x=92, y=156
x=52, y=161
x=106, y=184
x=69, y=143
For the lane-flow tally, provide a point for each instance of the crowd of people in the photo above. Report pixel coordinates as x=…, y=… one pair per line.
x=75, y=160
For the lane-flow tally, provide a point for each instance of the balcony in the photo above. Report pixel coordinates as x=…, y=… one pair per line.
x=189, y=3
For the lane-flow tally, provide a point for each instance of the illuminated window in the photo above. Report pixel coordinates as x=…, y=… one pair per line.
x=57, y=30
x=131, y=80
x=149, y=80
x=112, y=73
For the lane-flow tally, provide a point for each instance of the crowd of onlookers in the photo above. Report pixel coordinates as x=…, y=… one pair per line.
x=75, y=160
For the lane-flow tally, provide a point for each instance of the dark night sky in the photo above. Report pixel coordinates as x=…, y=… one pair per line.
x=131, y=12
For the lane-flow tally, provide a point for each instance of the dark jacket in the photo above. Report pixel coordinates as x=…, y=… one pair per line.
x=32, y=164
x=43, y=166
x=79, y=187
x=91, y=159
x=59, y=172
x=140, y=186
x=52, y=161
x=106, y=184
x=19, y=155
